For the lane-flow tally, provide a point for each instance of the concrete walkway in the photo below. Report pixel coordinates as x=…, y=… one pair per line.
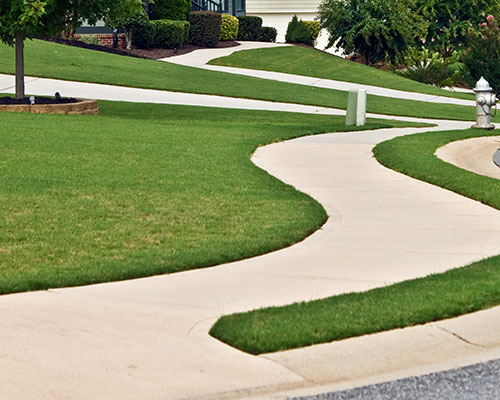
x=47, y=87
x=200, y=60
x=474, y=155
x=148, y=338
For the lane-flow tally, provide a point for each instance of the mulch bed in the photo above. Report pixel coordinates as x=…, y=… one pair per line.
x=153, y=54
x=38, y=100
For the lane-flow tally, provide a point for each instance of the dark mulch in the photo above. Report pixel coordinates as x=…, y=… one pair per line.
x=153, y=54
x=38, y=100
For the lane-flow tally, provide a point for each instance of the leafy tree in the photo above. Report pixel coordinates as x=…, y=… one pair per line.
x=449, y=21
x=375, y=29
x=21, y=19
x=483, y=55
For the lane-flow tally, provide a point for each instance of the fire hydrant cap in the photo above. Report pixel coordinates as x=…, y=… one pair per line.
x=482, y=85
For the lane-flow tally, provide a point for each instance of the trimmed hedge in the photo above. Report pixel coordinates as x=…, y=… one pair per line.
x=249, y=28
x=162, y=33
x=142, y=32
x=171, y=9
x=205, y=28
x=313, y=27
x=268, y=34
x=170, y=34
x=298, y=32
x=229, y=27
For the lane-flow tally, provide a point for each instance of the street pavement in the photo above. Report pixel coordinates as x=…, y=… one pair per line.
x=474, y=382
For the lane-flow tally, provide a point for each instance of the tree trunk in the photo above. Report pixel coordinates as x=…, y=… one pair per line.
x=19, y=64
x=128, y=38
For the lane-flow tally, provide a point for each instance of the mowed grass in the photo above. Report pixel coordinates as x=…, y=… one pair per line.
x=414, y=156
x=456, y=292
x=144, y=189
x=51, y=60
x=306, y=61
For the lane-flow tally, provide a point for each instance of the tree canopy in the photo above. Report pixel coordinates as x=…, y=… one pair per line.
x=49, y=17
x=21, y=19
x=375, y=29
x=449, y=21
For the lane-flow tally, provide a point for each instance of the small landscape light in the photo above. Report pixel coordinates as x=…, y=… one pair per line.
x=32, y=100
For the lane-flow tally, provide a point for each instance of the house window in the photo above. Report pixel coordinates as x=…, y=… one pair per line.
x=239, y=7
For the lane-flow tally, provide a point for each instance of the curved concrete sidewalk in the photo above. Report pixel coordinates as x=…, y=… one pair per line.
x=474, y=155
x=200, y=60
x=147, y=338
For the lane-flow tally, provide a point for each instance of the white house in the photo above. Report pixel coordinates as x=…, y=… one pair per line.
x=278, y=13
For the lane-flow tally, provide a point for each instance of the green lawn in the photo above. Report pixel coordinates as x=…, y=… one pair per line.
x=453, y=293
x=309, y=62
x=144, y=189
x=46, y=59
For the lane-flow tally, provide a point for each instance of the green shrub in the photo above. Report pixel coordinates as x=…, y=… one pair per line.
x=249, y=28
x=89, y=39
x=268, y=34
x=170, y=34
x=159, y=33
x=313, y=27
x=483, y=55
x=205, y=28
x=374, y=30
x=229, y=27
x=142, y=32
x=171, y=9
x=298, y=32
x=429, y=67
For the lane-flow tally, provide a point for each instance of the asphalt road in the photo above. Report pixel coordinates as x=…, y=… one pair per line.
x=474, y=382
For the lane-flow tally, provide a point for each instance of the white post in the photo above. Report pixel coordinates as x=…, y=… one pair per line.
x=352, y=105
x=356, y=107
x=361, y=108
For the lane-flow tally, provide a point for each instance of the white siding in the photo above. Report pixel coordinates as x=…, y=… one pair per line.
x=282, y=6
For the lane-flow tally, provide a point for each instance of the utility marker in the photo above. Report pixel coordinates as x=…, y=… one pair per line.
x=356, y=107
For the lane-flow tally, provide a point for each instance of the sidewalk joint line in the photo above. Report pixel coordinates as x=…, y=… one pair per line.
x=304, y=379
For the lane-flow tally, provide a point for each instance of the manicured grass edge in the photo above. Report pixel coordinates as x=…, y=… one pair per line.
x=453, y=293
x=385, y=79
x=153, y=260
x=84, y=65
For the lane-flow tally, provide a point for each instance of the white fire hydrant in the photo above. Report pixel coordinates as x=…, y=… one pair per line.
x=485, y=100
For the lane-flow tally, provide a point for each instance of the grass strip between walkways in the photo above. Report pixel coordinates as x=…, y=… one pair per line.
x=145, y=189
x=306, y=61
x=51, y=60
x=455, y=292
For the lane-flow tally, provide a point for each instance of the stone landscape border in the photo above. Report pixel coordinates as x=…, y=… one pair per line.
x=87, y=107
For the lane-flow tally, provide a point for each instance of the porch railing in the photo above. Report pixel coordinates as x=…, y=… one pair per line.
x=209, y=5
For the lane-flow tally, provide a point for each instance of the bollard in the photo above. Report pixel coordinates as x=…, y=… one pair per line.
x=361, y=109
x=356, y=107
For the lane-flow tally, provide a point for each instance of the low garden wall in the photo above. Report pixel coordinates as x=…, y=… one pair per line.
x=89, y=107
